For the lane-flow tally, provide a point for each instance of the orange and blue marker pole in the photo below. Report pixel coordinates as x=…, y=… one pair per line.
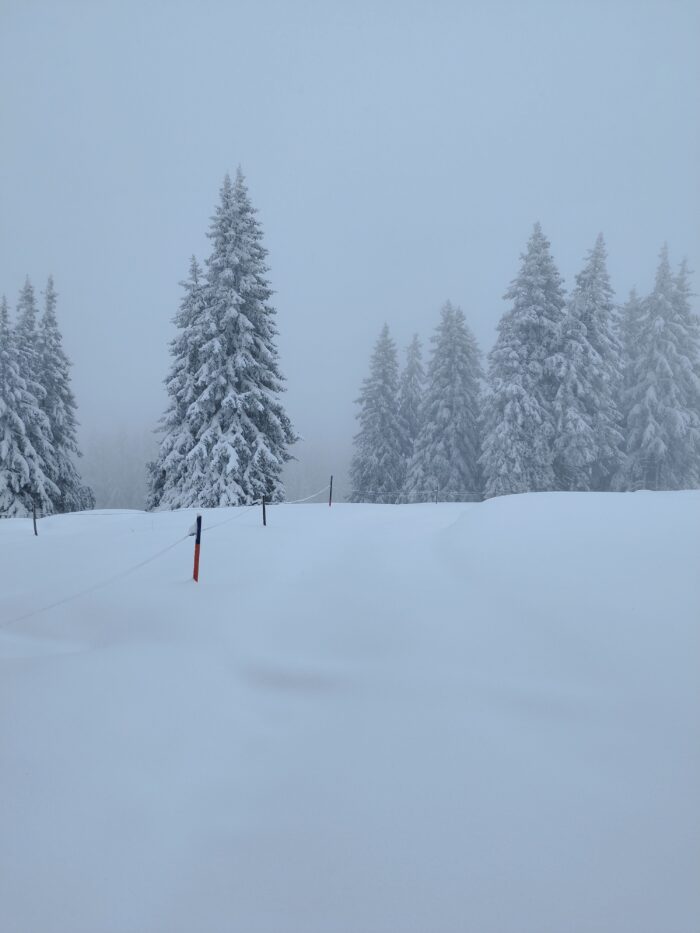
x=197, y=542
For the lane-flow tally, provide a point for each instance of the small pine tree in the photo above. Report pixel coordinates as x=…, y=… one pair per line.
x=26, y=340
x=411, y=385
x=519, y=424
x=588, y=440
x=59, y=406
x=22, y=481
x=663, y=400
x=378, y=465
x=446, y=456
x=239, y=433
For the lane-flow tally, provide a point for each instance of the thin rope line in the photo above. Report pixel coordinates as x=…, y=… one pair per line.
x=306, y=499
x=97, y=513
x=239, y=510
x=427, y=492
x=95, y=586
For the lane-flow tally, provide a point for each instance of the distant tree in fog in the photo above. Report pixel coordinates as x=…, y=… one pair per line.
x=588, y=439
x=663, y=388
x=519, y=424
x=446, y=455
x=113, y=464
x=378, y=465
x=411, y=387
x=629, y=321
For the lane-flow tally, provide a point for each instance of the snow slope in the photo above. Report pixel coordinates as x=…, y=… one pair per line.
x=480, y=718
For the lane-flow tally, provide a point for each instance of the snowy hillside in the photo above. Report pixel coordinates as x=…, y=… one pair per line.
x=480, y=718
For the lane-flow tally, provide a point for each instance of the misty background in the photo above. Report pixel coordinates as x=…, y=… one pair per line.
x=398, y=154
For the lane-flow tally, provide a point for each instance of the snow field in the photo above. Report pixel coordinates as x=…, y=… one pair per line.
x=463, y=717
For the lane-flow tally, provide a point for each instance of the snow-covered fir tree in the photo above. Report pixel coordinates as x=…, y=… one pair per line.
x=169, y=481
x=22, y=480
x=231, y=408
x=378, y=467
x=26, y=340
x=588, y=440
x=663, y=398
x=519, y=424
x=690, y=322
x=411, y=386
x=59, y=406
x=682, y=295
x=574, y=444
x=629, y=319
x=445, y=461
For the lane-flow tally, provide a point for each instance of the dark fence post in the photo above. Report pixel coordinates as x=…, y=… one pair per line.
x=330, y=494
x=34, y=517
x=197, y=542
x=264, y=512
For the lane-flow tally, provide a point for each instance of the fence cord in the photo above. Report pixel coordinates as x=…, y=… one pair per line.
x=240, y=509
x=95, y=586
x=425, y=492
x=306, y=499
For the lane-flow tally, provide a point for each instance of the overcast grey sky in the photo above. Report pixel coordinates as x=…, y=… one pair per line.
x=398, y=154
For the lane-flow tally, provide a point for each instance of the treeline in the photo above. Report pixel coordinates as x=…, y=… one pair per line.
x=578, y=394
x=38, y=443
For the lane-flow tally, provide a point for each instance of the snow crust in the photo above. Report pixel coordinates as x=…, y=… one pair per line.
x=364, y=719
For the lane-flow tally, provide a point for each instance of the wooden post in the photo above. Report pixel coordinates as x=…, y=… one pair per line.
x=330, y=494
x=264, y=513
x=34, y=517
x=197, y=542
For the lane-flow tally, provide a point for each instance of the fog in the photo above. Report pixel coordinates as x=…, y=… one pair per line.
x=398, y=154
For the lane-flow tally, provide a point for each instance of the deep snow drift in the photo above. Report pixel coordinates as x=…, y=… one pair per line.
x=367, y=719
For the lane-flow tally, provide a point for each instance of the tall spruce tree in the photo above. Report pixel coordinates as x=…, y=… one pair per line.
x=445, y=461
x=663, y=398
x=588, y=439
x=519, y=423
x=378, y=465
x=37, y=425
x=22, y=480
x=59, y=406
x=411, y=385
x=239, y=430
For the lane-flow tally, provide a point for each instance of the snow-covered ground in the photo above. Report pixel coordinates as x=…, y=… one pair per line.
x=370, y=719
